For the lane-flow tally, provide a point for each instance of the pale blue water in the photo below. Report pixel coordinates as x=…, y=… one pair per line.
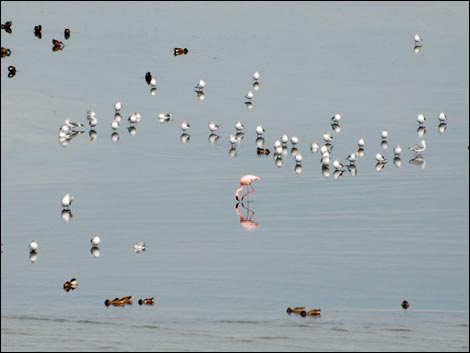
x=354, y=246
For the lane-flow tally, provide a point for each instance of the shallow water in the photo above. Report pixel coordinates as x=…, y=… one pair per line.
x=352, y=245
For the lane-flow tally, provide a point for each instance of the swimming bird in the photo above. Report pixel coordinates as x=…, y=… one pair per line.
x=200, y=85
x=164, y=117
x=33, y=246
x=418, y=148
x=213, y=126
x=298, y=158
x=384, y=134
x=139, y=247
x=336, y=118
x=67, y=200
x=260, y=150
x=256, y=76
x=180, y=51
x=421, y=119
x=352, y=158
x=247, y=181
x=114, y=302
x=185, y=126
x=294, y=140
x=327, y=137
x=405, y=305
x=442, y=117
x=148, y=77
x=117, y=106
x=314, y=147
x=95, y=241
x=57, y=45
x=67, y=33
x=239, y=126
x=115, y=125
x=380, y=158
x=249, y=95
x=397, y=150
x=361, y=143
x=147, y=301
x=418, y=40
x=259, y=130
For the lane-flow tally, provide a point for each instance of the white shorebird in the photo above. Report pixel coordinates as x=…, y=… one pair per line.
x=361, y=143
x=352, y=158
x=418, y=40
x=259, y=130
x=256, y=76
x=164, y=117
x=298, y=158
x=442, y=117
x=337, y=165
x=380, y=158
x=185, y=126
x=249, y=95
x=284, y=139
x=397, y=150
x=72, y=124
x=336, y=118
x=314, y=147
x=33, y=246
x=67, y=200
x=327, y=137
x=115, y=125
x=421, y=119
x=139, y=247
x=200, y=85
x=418, y=148
x=213, y=126
x=294, y=140
x=239, y=126
x=233, y=139
x=384, y=134
x=117, y=106
x=95, y=241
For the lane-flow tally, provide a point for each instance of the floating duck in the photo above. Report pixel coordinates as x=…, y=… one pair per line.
x=180, y=51
x=146, y=301
x=405, y=305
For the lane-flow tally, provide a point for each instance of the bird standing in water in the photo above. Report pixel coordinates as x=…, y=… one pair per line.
x=247, y=181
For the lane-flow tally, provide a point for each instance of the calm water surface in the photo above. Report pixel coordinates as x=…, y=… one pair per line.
x=353, y=245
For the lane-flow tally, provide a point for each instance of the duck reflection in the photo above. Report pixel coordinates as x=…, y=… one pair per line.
x=249, y=105
x=336, y=128
x=232, y=152
x=418, y=161
x=246, y=222
x=66, y=215
x=259, y=142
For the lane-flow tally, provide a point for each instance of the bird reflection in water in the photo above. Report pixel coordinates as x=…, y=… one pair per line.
x=246, y=222
x=66, y=215
x=418, y=161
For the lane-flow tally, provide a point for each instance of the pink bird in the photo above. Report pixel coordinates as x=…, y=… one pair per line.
x=246, y=180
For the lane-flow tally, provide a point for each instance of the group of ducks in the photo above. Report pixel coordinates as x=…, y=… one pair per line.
x=56, y=44
x=300, y=310
x=128, y=300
